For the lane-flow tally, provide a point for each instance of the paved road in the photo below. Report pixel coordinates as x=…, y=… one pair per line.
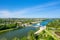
x=41, y=29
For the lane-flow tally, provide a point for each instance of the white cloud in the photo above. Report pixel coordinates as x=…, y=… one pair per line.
x=7, y=14
x=35, y=9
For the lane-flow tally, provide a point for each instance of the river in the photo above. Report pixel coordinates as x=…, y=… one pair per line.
x=21, y=32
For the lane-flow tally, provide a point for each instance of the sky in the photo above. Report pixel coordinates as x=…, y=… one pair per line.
x=29, y=8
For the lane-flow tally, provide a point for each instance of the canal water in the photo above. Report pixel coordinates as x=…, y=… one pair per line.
x=17, y=33
x=42, y=24
x=21, y=32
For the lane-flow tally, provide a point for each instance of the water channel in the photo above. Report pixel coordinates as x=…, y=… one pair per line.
x=22, y=32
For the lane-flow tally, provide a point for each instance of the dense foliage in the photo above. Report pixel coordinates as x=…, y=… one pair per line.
x=54, y=24
x=8, y=23
x=44, y=35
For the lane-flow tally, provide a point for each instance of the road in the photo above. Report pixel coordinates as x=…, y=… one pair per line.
x=41, y=29
x=47, y=32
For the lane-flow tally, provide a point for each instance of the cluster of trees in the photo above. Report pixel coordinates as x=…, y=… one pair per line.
x=7, y=26
x=7, y=23
x=54, y=24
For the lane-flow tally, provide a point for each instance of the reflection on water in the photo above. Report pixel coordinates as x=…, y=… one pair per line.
x=17, y=33
x=44, y=23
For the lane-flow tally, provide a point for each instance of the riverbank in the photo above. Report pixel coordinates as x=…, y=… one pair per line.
x=3, y=31
x=17, y=33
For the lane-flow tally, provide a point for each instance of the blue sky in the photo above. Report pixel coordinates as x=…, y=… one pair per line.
x=29, y=8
